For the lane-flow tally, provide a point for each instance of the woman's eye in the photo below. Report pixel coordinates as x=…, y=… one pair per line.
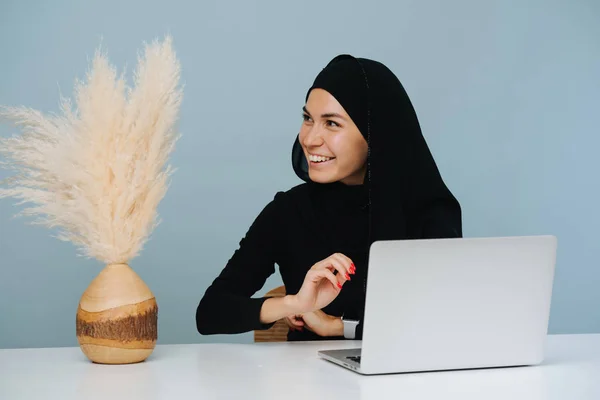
x=333, y=124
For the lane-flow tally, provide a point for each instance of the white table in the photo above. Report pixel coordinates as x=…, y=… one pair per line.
x=289, y=371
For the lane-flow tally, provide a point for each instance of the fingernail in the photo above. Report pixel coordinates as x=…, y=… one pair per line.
x=339, y=285
x=347, y=276
x=352, y=268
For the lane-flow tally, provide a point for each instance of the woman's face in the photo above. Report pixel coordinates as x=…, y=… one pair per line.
x=334, y=147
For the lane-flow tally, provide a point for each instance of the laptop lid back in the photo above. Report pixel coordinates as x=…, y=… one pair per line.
x=457, y=303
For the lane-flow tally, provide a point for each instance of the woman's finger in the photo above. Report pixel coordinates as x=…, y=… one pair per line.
x=318, y=274
x=294, y=324
x=343, y=272
x=346, y=261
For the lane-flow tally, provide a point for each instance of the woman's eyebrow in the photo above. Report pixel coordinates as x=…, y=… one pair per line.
x=326, y=115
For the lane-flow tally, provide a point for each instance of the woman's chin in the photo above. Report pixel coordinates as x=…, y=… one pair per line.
x=322, y=176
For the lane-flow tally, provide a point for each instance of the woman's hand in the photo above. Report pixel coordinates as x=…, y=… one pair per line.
x=294, y=322
x=323, y=324
x=321, y=286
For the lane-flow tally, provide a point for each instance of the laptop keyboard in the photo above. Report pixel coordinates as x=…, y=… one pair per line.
x=356, y=359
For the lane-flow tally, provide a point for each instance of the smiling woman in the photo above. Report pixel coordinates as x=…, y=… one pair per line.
x=368, y=176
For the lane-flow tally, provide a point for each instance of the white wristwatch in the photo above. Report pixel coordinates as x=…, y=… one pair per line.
x=349, y=327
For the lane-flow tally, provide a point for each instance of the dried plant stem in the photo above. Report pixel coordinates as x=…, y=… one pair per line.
x=99, y=171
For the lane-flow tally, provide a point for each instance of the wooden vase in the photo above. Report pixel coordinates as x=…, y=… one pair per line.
x=117, y=317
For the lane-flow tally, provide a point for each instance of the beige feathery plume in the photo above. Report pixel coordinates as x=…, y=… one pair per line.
x=99, y=172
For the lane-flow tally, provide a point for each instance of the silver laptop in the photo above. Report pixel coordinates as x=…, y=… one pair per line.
x=447, y=304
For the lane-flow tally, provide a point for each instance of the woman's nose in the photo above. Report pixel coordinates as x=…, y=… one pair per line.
x=313, y=137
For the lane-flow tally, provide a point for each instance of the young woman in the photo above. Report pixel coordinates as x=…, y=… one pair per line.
x=368, y=175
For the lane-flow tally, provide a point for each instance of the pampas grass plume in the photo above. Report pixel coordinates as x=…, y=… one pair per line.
x=98, y=171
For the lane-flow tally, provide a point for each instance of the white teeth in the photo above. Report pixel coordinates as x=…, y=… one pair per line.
x=318, y=158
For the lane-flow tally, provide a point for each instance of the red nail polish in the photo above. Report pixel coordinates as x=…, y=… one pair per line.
x=339, y=285
x=347, y=276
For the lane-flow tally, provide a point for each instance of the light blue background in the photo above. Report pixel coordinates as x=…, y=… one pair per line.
x=507, y=94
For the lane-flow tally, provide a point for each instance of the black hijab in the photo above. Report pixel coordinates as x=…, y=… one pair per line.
x=407, y=197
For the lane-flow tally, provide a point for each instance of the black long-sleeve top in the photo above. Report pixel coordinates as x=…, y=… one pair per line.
x=297, y=229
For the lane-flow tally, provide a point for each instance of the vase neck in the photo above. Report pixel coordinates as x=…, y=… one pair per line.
x=117, y=265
